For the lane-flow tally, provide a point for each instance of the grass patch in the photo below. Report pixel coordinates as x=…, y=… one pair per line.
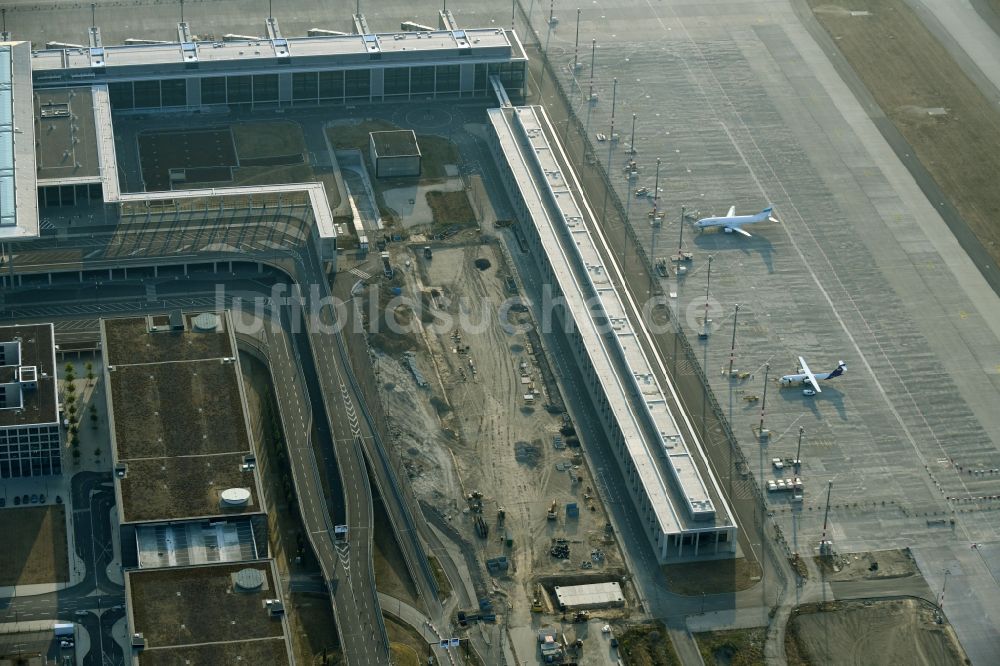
x=451, y=208
x=256, y=140
x=647, y=645
x=403, y=655
x=435, y=153
x=444, y=585
x=951, y=126
x=34, y=549
x=403, y=640
x=712, y=577
x=735, y=647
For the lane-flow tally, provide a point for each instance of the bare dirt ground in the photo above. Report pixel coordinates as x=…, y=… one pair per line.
x=870, y=632
x=34, y=545
x=471, y=429
x=862, y=566
x=734, y=647
x=950, y=124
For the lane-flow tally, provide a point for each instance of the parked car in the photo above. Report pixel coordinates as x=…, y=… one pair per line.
x=3, y=502
x=58, y=499
x=17, y=500
x=34, y=499
x=25, y=499
x=65, y=644
x=41, y=499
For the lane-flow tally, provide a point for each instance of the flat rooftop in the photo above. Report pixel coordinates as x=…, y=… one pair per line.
x=395, y=143
x=25, y=347
x=589, y=596
x=178, y=419
x=129, y=342
x=671, y=478
x=404, y=47
x=187, y=408
x=67, y=136
x=202, y=611
x=18, y=195
x=182, y=487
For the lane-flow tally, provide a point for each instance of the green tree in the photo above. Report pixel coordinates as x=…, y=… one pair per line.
x=70, y=398
x=72, y=409
x=90, y=372
x=74, y=430
x=70, y=388
x=97, y=452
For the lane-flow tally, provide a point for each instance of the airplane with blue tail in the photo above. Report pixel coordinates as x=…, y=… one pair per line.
x=810, y=379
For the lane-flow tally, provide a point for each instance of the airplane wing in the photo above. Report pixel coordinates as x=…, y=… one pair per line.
x=741, y=230
x=732, y=211
x=810, y=377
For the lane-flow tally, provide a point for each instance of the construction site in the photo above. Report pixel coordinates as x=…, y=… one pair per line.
x=482, y=433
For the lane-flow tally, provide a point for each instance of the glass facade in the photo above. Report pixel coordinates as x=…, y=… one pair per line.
x=30, y=451
x=310, y=87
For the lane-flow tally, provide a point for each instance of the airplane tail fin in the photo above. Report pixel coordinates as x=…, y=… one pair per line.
x=841, y=368
x=770, y=214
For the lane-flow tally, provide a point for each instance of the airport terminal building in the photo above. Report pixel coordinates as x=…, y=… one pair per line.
x=667, y=474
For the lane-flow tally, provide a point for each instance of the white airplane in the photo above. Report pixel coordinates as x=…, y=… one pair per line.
x=732, y=222
x=807, y=377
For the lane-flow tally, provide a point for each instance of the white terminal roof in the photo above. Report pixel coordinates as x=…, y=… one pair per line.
x=593, y=594
x=683, y=502
x=384, y=46
x=18, y=196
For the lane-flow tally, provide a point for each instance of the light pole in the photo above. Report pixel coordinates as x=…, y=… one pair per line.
x=576, y=44
x=732, y=349
x=656, y=189
x=798, y=450
x=611, y=140
x=763, y=402
x=708, y=283
x=631, y=145
x=593, y=57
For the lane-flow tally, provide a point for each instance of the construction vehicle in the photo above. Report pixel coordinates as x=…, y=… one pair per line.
x=553, y=510
x=482, y=529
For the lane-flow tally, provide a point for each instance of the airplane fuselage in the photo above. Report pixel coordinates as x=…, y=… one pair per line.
x=801, y=377
x=729, y=222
